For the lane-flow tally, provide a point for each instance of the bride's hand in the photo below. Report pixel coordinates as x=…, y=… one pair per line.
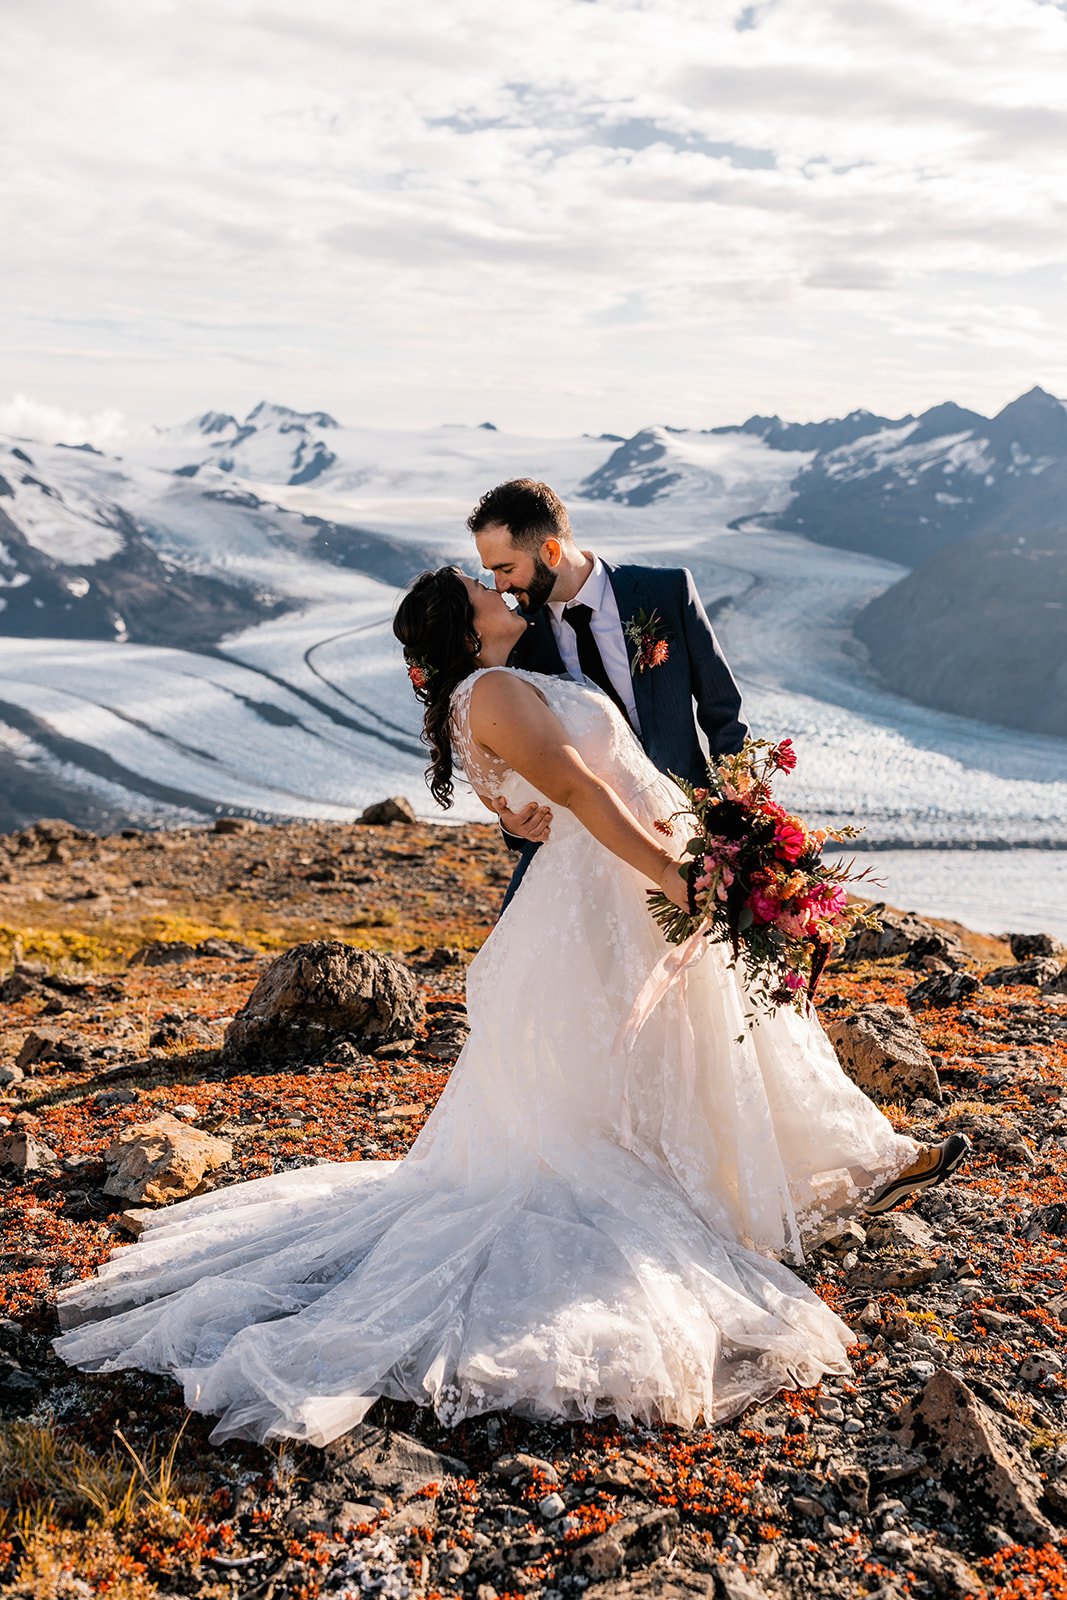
x=673, y=885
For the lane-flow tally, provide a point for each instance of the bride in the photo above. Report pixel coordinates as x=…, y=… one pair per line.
x=595, y=1218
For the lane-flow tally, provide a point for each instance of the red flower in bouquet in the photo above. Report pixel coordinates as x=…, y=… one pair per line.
x=790, y=834
x=784, y=757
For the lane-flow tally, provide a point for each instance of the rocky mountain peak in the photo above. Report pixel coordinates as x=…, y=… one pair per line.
x=267, y=414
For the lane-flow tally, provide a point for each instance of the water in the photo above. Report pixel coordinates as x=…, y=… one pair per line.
x=991, y=891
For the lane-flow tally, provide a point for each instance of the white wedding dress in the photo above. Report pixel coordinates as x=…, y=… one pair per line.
x=580, y=1229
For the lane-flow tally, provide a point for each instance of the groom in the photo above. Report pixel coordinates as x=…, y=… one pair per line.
x=640, y=633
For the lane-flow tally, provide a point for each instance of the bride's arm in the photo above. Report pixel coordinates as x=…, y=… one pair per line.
x=509, y=718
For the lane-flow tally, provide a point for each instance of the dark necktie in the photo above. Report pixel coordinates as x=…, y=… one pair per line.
x=589, y=657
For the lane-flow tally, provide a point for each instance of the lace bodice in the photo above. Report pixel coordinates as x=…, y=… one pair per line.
x=596, y=727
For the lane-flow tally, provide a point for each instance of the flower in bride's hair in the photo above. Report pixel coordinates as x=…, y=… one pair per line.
x=420, y=672
x=661, y=825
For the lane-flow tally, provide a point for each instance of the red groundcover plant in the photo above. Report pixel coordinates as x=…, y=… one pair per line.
x=757, y=880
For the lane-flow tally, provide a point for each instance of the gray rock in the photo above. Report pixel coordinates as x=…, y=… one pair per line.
x=163, y=953
x=48, y=1047
x=629, y=1542
x=943, y=989
x=162, y=1160
x=388, y=811
x=900, y=933
x=25, y=1153
x=1034, y=973
x=972, y=1456
x=881, y=1050
x=1026, y=945
x=319, y=992
x=370, y=1458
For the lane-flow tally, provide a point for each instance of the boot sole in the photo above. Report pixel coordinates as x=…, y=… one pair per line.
x=955, y=1149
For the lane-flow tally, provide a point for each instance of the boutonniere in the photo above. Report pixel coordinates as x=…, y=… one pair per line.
x=649, y=639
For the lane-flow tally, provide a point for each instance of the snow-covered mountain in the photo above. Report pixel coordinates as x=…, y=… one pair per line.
x=94, y=547
x=204, y=621
x=911, y=487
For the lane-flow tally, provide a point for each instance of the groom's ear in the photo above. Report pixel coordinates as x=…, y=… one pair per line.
x=551, y=551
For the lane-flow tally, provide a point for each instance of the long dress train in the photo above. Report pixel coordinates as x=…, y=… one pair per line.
x=582, y=1228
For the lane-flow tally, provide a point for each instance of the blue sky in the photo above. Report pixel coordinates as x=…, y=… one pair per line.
x=561, y=215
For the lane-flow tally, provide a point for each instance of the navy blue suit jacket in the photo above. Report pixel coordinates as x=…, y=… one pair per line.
x=693, y=686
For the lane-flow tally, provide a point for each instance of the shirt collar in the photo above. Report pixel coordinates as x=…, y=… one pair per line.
x=591, y=593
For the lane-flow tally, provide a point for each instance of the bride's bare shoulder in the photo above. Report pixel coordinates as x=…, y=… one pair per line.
x=502, y=687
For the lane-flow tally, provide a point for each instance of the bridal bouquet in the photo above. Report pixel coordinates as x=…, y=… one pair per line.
x=756, y=878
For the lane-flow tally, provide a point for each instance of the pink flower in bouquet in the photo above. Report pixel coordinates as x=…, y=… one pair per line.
x=763, y=906
x=795, y=980
x=824, y=904
x=794, y=924
x=784, y=756
x=703, y=883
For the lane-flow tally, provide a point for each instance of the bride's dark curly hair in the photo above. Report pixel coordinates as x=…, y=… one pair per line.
x=435, y=624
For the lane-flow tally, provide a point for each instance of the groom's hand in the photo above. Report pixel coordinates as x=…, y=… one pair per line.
x=533, y=823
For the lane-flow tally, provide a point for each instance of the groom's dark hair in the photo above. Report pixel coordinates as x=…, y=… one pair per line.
x=531, y=512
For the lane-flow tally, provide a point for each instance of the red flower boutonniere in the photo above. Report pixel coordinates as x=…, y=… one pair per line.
x=649, y=639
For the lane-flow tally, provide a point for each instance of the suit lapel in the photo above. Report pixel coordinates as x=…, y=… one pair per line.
x=630, y=597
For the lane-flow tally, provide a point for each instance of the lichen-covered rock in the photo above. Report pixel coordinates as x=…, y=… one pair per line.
x=943, y=989
x=1034, y=973
x=902, y=933
x=25, y=1153
x=973, y=1458
x=162, y=1160
x=44, y=1047
x=880, y=1049
x=1056, y=985
x=316, y=993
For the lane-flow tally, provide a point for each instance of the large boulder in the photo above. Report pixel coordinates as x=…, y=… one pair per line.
x=319, y=992
x=881, y=1050
x=974, y=1460
x=155, y=1162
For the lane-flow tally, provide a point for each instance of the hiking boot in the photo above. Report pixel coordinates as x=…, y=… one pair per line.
x=931, y=1166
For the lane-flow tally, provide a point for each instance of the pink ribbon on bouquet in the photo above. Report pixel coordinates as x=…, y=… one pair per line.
x=668, y=971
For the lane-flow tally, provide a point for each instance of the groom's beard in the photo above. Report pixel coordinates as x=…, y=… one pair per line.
x=539, y=589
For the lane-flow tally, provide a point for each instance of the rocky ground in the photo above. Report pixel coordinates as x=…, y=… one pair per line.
x=939, y=1469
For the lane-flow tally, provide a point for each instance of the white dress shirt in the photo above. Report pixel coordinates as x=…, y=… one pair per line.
x=605, y=624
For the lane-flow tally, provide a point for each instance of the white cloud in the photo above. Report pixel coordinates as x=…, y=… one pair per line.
x=27, y=418
x=394, y=219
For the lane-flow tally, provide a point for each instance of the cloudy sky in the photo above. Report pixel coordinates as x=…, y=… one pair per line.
x=555, y=214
